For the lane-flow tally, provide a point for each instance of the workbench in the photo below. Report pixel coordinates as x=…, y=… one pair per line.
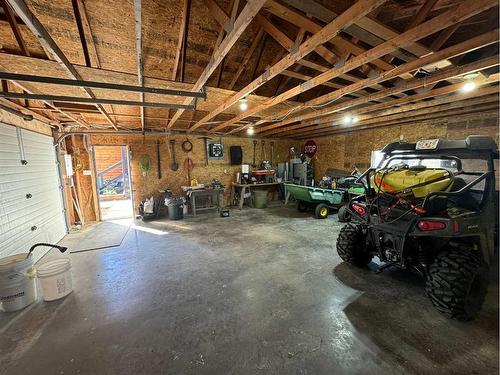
x=216, y=195
x=243, y=189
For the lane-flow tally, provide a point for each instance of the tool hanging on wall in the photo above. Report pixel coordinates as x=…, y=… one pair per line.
x=263, y=152
x=205, y=139
x=272, y=153
x=145, y=164
x=174, y=166
x=158, y=158
x=187, y=146
x=254, y=149
x=188, y=166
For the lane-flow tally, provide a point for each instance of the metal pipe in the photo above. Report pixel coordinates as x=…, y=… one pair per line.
x=76, y=99
x=100, y=85
x=64, y=135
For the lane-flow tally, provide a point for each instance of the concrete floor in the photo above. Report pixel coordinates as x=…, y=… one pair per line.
x=116, y=209
x=262, y=292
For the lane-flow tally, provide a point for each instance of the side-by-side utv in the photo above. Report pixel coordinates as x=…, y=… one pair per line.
x=430, y=207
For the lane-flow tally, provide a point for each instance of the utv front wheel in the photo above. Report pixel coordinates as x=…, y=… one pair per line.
x=457, y=283
x=351, y=245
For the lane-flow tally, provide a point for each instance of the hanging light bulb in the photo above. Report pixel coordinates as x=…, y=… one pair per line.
x=250, y=131
x=243, y=104
x=349, y=120
x=468, y=86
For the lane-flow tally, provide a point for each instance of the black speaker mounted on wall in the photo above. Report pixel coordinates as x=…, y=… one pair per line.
x=236, y=154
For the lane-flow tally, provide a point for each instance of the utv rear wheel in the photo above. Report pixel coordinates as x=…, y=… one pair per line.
x=301, y=206
x=457, y=283
x=321, y=211
x=351, y=245
x=343, y=215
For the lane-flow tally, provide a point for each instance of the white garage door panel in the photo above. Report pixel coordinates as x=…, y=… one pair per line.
x=15, y=214
x=40, y=218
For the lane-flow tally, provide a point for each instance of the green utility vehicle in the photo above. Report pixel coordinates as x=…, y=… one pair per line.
x=430, y=207
x=321, y=199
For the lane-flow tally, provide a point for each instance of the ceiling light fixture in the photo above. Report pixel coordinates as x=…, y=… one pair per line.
x=468, y=86
x=250, y=131
x=243, y=104
x=349, y=120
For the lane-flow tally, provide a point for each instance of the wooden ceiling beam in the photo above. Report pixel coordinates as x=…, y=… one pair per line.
x=446, y=74
x=366, y=29
x=246, y=16
x=11, y=18
x=443, y=95
x=50, y=45
x=464, y=114
x=339, y=42
x=27, y=88
x=81, y=32
x=297, y=42
x=289, y=45
x=465, y=10
x=246, y=58
x=443, y=37
x=364, y=109
x=35, y=114
x=139, y=56
x=180, y=39
x=359, y=9
x=219, y=14
x=234, y=10
x=420, y=17
x=456, y=50
x=422, y=14
x=185, y=41
x=473, y=106
x=88, y=34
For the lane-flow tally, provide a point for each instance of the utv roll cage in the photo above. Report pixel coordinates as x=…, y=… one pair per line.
x=409, y=151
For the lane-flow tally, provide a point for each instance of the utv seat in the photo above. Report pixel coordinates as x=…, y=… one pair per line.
x=465, y=200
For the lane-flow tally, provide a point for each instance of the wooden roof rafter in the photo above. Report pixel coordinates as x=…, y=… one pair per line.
x=478, y=42
x=402, y=105
x=256, y=41
x=472, y=105
x=81, y=31
x=246, y=16
x=139, y=56
x=50, y=45
x=11, y=18
x=465, y=10
x=358, y=10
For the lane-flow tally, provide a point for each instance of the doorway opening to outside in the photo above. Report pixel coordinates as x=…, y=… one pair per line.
x=113, y=182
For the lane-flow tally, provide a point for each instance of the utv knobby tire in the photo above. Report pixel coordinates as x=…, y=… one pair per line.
x=457, y=283
x=301, y=206
x=343, y=215
x=351, y=245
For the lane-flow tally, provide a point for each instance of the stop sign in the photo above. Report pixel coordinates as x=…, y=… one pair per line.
x=310, y=148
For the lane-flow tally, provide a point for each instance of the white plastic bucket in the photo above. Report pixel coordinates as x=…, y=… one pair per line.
x=17, y=282
x=55, y=278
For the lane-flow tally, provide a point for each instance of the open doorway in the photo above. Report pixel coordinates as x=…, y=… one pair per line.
x=113, y=182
